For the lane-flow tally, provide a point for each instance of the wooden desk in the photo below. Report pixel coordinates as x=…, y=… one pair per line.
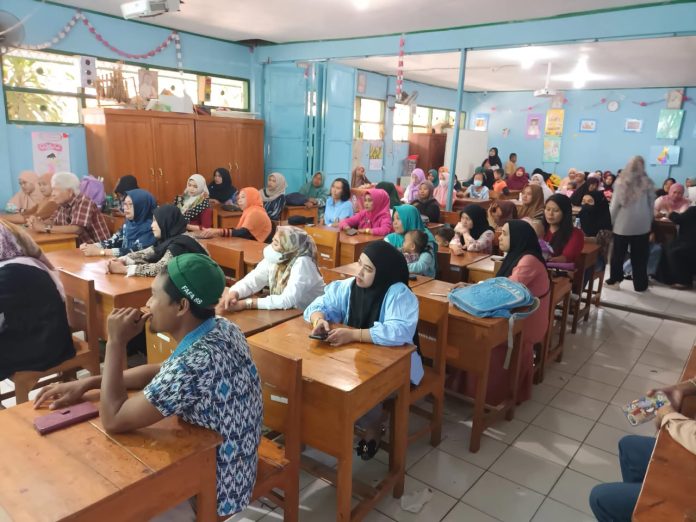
x=455, y=268
x=253, y=250
x=352, y=269
x=463, y=202
x=665, y=231
x=670, y=482
x=434, y=227
x=113, y=290
x=350, y=247
x=80, y=473
x=312, y=213
x=483, y=269
x=53, y=242
x=228, y=218
x=470, y=341
x=339, y=386
x=161, y=346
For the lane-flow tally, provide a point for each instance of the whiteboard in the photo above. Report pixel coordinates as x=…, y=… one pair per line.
x=471, y=150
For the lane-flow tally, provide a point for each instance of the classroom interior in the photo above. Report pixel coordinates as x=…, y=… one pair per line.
x=327, y=86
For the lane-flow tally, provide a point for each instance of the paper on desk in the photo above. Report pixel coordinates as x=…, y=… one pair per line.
x=415, y=501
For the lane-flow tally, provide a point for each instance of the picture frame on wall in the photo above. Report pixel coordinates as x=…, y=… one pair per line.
x=480, y=122
x=669, y=124
x=633, y=125
x=588, y=126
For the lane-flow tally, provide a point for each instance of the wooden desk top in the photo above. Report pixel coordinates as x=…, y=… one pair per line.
x=75, y=262
x=353, y=240
x=55, y=476
x=50, y=238
x=466, y=259
x=251, y=322
x=344, y=368
x=253, y=250
x=352, y=269
x=486, y=264
x=229, y=213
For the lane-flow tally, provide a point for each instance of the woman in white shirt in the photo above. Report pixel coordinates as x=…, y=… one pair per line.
x=288, y=268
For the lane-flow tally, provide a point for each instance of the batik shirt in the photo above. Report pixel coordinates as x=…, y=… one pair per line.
x=214, y=384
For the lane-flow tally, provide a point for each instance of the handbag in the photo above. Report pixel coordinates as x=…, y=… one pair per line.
x=496, y=297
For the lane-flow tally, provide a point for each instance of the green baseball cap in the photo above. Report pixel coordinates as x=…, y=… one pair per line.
x=198, y=278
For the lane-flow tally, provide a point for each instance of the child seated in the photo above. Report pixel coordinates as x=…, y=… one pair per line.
x=477, y=190
x=499, y=184
x=415, y=243
x=443, y=236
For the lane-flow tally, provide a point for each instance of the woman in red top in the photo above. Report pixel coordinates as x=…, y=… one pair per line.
x=565, y=240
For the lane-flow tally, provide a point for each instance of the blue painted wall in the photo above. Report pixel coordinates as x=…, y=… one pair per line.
x=608, y=148
x=199, y=54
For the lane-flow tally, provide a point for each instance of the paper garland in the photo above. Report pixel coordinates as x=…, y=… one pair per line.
x=400, y=67
x=80, y=16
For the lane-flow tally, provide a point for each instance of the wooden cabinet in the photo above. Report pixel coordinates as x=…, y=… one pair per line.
x=430, y=149
x=163, y=149
x=235, y=144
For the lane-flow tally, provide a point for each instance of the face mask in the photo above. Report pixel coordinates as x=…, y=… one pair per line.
x=478, y=183
x=271, y=255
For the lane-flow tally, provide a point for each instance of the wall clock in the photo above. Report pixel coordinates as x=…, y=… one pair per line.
x=613, y=106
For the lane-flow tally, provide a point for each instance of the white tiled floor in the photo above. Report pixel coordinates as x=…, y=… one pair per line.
x=542, y=465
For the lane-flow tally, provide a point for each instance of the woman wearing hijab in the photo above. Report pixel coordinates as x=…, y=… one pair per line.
x=406, y=219
x=358, y=179
x=433, y=177
x=572, y=177
x=674, y=201
x=273, y=195
x=678, y=263
x=440, y=192
x=472, y=233
x=288, y=268
x=380, y=309
x=632, y=215
x=315, y=191
x=338, y=204
x=194, y=203
x=221, y=189
x=665, y=187
x=136, y=233
x=532, y=198
x=565, y=240
x=28, y=197
x=124, y=184
x=594, y=215
x=374, y=218
x=518, y=180
x=254, y=223
x=493, y=159
x=43, y=210
x=34, y=331
x=609, y=180
x=390, y=189
x=538, y=179
x=411, y=192
x=426, y=204
x=169, y=228
x=592, y=184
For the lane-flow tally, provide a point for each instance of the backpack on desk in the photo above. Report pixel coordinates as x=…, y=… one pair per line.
x=496, y=297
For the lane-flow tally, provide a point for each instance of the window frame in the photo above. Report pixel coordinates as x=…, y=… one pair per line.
x=429, y=124
x=83, y=96
x=357, y=121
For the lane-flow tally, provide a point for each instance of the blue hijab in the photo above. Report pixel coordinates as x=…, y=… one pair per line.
x=137, y=232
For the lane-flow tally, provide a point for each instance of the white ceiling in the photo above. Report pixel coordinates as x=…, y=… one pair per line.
x=656, y=62
x=298, y=20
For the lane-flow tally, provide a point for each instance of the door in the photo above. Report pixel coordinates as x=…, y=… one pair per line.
x=285, y=116
x=247, y=156
x=214, y=143
x=337, y=124
x=131, y=150
x=175, y=155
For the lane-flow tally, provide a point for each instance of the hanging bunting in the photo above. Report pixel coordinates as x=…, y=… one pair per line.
x=400, y=67
x=647, y=103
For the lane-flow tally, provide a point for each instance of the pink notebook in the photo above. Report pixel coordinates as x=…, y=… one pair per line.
x=65, y=417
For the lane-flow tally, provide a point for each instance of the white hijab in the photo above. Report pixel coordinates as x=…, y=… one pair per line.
x=200, y=195
x=538, y=179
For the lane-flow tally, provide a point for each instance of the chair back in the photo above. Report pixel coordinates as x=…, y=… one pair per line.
x=81, y=304
x=329, y=276
x=327, y=242
x=229, y=259
x=448, y=217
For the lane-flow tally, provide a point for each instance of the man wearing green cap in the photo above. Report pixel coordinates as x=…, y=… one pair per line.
x=210, y=380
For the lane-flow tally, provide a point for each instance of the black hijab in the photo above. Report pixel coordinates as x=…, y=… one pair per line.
x=582, y=191
x=390, y=189
x=565, y=228
x=390, y=268
x=493, y=160
x=594, y=218
x=523, y=242
x=479, y=218
x=125, y=183
x=225, y=190
x=172, y=225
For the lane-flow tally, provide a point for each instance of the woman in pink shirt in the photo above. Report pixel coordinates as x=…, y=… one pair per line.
x=375, y=218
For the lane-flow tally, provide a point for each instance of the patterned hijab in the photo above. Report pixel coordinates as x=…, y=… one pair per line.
x=294, y=243
x=200, y=195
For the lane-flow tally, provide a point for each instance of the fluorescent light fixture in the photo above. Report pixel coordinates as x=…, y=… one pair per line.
x=361, y=5
x=580, y=74
x=527, y=56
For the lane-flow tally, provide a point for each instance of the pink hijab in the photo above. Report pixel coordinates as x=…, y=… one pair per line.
x=440, y=192
x=412, y=189
x=673, y=202
x=24, y=200
x=380, y=204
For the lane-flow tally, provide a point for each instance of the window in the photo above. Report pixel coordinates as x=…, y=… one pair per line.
x=45, y=87
x=420, y=120
x=368, y=119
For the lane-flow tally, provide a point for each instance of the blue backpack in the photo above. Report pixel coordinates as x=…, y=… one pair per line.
x=496, y=297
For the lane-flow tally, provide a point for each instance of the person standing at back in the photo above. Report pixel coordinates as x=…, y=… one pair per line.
x=632, y=214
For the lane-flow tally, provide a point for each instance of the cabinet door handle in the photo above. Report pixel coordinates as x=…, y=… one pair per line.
x=152, y=173
x=160, y=171
x=230, y=165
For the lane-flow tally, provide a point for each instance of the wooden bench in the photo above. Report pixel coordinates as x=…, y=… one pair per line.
x=328, y=246
x=279, y=466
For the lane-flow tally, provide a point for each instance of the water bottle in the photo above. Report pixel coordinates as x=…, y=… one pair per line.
x=577, y=222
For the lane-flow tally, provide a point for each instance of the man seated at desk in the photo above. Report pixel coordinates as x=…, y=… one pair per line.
x=76, y=214
x=210, y=380
x=616, y=501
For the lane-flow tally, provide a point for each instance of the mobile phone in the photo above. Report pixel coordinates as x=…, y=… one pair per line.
x=319, y=337
x=65, y=417
x=412, y=277
x=351, y=231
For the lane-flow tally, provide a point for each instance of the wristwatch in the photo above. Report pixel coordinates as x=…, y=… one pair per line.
x=101, y=252
x=249, y=301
